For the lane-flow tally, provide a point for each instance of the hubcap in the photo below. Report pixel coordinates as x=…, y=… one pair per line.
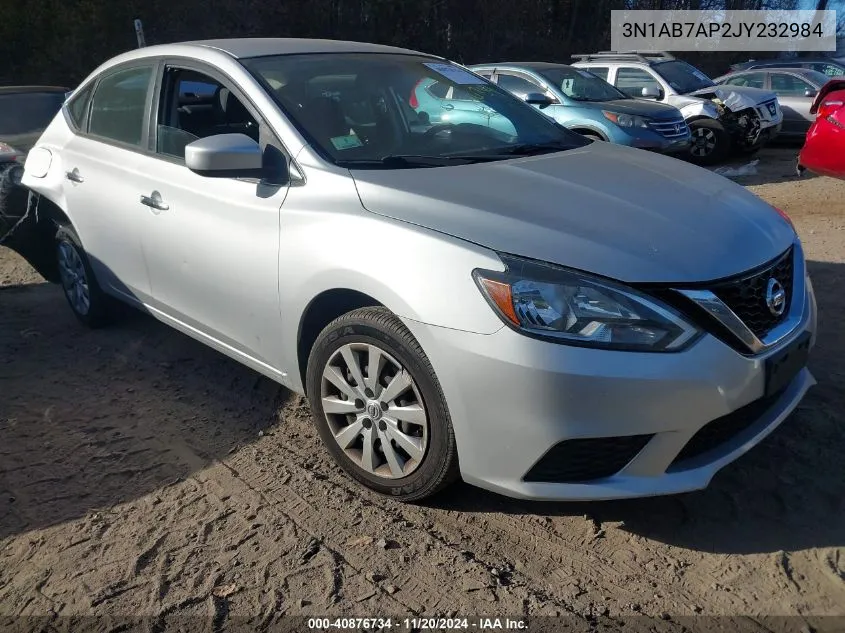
x=703, y=141
x=74, y=279
x=374, y=410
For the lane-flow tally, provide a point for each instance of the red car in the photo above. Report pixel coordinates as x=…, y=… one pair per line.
x=824, y=149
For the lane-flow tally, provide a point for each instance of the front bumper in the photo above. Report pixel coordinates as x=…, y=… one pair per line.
x=650, y=140
x=513, y=398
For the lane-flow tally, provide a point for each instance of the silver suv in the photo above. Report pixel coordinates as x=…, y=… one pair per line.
x=722, y=119
x=545, y=315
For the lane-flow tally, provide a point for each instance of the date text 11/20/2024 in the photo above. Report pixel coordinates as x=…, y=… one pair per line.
x=417, y=624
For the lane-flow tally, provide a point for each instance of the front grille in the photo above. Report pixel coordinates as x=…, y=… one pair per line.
x=747, y=296
x=675, y=128
x=720, y=431
x=586, y=459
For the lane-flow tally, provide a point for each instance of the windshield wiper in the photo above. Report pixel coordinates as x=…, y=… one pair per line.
x=537, y=148
x=405, y=161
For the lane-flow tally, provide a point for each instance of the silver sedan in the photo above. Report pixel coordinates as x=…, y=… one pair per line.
x=796, y=89
x=544, y=315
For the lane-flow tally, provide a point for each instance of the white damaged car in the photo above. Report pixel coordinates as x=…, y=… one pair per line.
x=722, y=119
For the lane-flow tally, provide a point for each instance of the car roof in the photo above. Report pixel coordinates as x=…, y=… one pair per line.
x=792, y=60
x=242, y=48
x=12, y=90
x=807, y=73
x=526, y=65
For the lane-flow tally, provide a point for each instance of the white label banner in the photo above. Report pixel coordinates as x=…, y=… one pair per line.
x=720, y=30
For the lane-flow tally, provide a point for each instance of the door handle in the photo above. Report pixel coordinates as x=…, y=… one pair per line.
x=447, y=106
x=74, y=176
x=154, y=201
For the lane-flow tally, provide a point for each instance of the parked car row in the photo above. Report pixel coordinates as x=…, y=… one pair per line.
x=649, y=101
x=460, y=289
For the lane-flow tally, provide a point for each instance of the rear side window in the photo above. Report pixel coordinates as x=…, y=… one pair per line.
x=752, y=80
x=118, y=107
x=78, y=106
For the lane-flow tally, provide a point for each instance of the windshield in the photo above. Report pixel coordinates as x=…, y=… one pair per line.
x=400, y=111
x=682, y=77
x=581, y=85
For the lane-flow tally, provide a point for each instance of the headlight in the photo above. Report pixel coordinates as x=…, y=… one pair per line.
x=572, y=307
x=626, y=120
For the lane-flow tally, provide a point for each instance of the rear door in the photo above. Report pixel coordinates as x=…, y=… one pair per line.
x=458, y=106
x=212, y=243
x=105, y=168
x=792, y=93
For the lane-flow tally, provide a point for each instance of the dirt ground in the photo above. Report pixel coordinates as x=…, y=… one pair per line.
x=144, y=474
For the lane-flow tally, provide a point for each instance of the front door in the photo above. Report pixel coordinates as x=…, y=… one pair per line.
x=212, y=243
x=792, y=94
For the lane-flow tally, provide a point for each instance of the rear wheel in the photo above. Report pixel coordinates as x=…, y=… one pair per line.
x=89, y=303
x=378, y=406
x=711, y=144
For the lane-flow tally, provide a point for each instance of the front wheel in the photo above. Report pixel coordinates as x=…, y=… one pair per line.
x=378, y=406
x=711, y=144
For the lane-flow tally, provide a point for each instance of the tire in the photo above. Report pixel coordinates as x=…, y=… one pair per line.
x=592, y=136
x=431, y=463
x=79, y=283
x=711, y=144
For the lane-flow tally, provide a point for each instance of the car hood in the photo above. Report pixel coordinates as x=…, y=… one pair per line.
x=611, y=210
x=735, y=97
x=639, y=107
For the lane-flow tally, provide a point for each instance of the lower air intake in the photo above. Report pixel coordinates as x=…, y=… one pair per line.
x=587, y=459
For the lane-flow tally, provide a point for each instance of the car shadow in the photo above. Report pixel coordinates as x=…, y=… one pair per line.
x=786, y=494
x=92, y=419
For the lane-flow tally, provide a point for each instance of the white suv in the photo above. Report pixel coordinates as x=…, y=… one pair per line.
x=722, y=119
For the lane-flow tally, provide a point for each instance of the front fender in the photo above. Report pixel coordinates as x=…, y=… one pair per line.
x=417, y=273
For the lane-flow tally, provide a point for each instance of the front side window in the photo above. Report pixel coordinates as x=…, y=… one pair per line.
x=385, y=110
x=632, y=81
x=789, y=85
x=194, y=106
x=581, y=85
x=520, y=86
x=118, y=107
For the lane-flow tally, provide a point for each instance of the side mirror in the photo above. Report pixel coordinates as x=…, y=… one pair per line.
x=538, y=99
x=809, y=92
x=225, y=156
x=651, y=92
